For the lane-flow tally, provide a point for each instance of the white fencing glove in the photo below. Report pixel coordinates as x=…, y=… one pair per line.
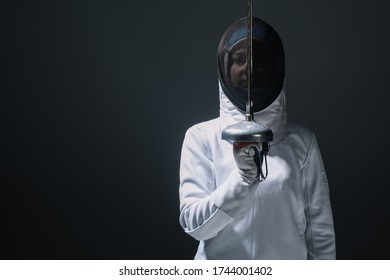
x=248, y=159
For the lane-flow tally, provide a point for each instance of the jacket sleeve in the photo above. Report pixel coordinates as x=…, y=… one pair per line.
x=205, y=209
x=320, y=236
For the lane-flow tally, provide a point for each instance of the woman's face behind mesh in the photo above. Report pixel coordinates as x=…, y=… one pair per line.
x=263, y=66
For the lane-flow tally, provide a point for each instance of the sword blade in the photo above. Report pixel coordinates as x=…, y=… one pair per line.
x=249, y=59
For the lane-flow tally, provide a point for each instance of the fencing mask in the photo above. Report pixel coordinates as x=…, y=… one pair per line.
x=268, y=64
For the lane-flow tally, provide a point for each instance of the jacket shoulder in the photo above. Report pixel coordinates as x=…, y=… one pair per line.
x=200, y=137
x=301, y=138
x=206, y=128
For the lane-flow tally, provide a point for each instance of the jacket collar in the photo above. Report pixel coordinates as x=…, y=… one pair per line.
x=274, y=116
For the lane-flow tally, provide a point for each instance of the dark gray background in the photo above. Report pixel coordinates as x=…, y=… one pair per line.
x=96, y=97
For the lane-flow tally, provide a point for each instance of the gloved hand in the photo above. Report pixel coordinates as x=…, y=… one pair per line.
x=248, y=159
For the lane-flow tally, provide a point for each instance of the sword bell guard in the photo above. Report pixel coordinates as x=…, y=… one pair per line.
x=248, y=131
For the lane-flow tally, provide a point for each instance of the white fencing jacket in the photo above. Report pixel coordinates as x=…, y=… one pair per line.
x=287, y=216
